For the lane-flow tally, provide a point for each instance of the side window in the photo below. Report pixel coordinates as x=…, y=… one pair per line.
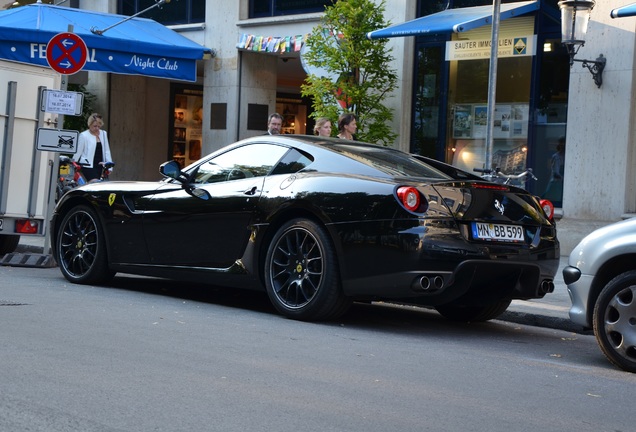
x=252, y=160
x=293, y=162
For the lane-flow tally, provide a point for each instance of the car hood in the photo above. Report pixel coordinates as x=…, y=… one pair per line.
x=604, y=243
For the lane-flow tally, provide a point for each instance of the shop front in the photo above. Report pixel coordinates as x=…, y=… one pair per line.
x=451, y=88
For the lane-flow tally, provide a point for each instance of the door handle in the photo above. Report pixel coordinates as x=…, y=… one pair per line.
x=251, y=191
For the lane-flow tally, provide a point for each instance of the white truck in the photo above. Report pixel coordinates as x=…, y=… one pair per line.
x=26, y=174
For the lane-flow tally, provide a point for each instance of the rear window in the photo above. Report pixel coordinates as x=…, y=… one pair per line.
x=389, y=161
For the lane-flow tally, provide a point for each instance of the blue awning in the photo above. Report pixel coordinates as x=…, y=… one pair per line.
x=138, y=46
x=625, y=11
x=454, y=20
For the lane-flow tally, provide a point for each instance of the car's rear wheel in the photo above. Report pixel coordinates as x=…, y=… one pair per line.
x=614, y=321
x=81, y=248
x=301, y=273
x=458, y=312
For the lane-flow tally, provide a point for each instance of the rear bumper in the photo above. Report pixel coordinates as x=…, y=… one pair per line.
x=472, y=281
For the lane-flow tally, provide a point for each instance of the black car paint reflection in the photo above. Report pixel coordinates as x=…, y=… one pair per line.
x=317, y=223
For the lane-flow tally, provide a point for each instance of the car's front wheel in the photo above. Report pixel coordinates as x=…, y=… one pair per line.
x=81, y=248
x=615, y=321
x=301, y=273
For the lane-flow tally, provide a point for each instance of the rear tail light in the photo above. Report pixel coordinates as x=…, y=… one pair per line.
x=411, y=199
x=26, y=226
x=548, y=208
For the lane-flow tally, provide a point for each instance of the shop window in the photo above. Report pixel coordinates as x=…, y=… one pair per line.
x=268, y=8
x=427, y=99
x=468, y=114
x=548, y=157
x=175, y=12
x=186, y=143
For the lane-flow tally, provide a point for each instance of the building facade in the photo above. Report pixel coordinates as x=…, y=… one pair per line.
x=439, y=105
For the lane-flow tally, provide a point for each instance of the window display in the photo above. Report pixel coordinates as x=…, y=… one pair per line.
x=187, y=126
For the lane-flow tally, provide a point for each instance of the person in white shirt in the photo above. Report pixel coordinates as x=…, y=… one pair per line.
x=93, y=148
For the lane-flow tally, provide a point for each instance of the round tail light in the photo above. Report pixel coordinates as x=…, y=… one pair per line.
x=548, y=208
x=411, y=199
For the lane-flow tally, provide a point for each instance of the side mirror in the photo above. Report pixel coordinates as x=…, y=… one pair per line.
x=198, y=193
x=171, y=169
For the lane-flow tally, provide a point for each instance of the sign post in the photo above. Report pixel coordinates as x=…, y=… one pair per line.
x=66, y=53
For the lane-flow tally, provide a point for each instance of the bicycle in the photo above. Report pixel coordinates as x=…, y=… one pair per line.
x=106, y=169
x=497, y=176
x=69, y=176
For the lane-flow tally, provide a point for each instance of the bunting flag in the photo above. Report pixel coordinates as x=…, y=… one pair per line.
x=271, y=44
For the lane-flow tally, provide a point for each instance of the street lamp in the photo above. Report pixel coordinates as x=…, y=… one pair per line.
x=575, y=16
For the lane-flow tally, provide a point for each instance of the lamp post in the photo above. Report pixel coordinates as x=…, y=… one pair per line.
x=575, y=16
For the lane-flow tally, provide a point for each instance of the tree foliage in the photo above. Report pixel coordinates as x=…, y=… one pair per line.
x=356, y=75
x=79, y=123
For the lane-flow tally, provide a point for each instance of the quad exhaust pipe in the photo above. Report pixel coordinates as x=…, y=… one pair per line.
x=431, y=282
x=547, y=286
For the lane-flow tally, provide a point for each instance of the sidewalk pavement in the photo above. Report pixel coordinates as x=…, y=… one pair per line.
x=550, y=311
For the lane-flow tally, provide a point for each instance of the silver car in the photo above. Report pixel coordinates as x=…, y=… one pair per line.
x=601, y=280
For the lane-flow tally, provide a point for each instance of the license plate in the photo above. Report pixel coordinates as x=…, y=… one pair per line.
x=497, y=232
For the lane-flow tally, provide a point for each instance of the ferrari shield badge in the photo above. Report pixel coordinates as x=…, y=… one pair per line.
x=111, y=199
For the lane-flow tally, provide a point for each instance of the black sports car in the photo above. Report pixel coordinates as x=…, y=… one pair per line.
x=318, y=223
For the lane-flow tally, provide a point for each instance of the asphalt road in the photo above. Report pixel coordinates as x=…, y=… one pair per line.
x=152, y=355
x=550, y=311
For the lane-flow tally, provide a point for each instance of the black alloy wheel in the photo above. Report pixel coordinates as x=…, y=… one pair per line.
x=614, y=321
x=301, y=273
x=81, y=248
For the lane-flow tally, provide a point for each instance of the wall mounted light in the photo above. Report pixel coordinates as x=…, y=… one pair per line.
x=575, y=16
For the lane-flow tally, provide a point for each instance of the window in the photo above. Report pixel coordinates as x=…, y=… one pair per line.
x=175, y=12
x=293, y=162
x=268, y=8
x=255, y=160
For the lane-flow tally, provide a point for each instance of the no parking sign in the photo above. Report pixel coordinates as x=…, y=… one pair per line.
x=66, y=53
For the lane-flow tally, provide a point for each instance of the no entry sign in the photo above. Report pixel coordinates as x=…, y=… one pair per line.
x=66, y=53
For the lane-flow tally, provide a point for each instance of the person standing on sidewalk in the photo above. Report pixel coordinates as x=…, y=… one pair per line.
x=93, y=148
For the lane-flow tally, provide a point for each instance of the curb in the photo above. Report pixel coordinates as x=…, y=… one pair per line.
x=545, y=321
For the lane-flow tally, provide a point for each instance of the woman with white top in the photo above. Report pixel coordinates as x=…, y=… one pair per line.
x=93, y=149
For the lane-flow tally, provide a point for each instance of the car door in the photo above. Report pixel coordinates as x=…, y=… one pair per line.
x=184, y=230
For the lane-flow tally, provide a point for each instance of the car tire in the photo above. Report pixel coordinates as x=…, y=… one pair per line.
x=457, y=312
x=81, y=248
x=614, y=321
x=301, y=273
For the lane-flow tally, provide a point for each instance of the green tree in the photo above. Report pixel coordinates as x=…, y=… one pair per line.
x=359, y=78
x=78, y=123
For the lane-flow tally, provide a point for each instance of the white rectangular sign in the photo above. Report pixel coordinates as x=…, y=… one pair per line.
x=62, y=102
x=57, y=140
x=479, y=49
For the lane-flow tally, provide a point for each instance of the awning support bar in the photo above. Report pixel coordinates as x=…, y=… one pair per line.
x=101, y=32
